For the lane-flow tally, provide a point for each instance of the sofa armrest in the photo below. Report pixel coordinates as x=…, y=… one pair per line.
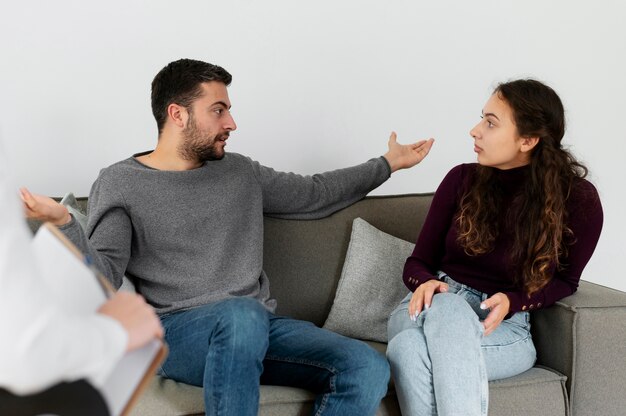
x=583, y=336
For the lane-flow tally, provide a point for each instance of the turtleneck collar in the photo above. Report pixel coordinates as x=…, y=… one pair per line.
x=513, y=176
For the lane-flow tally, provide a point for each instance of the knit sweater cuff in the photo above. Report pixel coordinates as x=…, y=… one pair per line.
x=388, y=166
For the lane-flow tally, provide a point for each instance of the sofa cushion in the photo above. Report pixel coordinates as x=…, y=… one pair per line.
x=168, y=397
x=371, y=284
x=536, y=392
x=71, y=203
x=303, y=259
x=507, y=397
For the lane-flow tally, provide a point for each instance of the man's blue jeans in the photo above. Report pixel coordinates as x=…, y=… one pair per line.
x=230, y=347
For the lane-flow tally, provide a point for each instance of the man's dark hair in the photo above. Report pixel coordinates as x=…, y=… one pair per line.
x=180, y=83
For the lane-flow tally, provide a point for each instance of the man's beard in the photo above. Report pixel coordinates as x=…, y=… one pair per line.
x=199, y=146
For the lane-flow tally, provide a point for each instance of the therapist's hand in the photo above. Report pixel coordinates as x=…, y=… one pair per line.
x=136, y=316
x=44, y=209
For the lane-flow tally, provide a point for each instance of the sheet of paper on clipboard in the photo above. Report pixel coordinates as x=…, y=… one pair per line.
x=81, y=291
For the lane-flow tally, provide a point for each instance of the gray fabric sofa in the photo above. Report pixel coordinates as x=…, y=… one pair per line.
x=581, y=341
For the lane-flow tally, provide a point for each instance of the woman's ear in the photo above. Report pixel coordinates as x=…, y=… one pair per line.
x=528, y=143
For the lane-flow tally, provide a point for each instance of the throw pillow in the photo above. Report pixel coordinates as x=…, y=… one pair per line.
x=371, y=283
x=69, y=200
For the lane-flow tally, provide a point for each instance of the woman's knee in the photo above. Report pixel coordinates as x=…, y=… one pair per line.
x=399, y=321
x=449, y=301
x=452, y=307
x=407, y=351
x=450, y=313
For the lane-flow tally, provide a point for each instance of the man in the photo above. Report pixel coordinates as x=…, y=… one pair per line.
x=185, y=223
x=50, y=360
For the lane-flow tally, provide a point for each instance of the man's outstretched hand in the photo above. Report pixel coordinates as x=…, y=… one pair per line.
x=403, y=156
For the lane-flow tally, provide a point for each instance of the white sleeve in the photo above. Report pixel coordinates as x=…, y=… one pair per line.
x=40, y=344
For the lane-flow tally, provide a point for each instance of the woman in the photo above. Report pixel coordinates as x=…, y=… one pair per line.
x=507, y=235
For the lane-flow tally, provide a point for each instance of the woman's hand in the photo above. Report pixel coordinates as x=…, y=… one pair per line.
x=423, y=296
x=499, y=304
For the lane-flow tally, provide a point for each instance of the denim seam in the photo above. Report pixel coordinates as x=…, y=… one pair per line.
x=398, y=310
x=332, y=369
x=471, y=291
x=459, y=286
x=215, y=385
x=484, y=392
x=517, y=341
x=325, y=396
x=163, y=372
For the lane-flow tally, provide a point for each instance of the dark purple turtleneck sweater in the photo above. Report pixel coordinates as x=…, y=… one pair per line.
x=437, y=247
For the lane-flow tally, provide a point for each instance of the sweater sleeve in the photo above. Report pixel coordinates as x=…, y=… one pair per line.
x=42, y=345
x=107, y=239
x=585, y=220
x=425, y=260
x=293, y=196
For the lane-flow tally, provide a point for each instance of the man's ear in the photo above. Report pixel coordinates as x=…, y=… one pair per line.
x=529, y=143
x=178, y=114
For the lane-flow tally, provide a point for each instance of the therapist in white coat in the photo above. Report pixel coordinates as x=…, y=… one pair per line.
x=50, y=361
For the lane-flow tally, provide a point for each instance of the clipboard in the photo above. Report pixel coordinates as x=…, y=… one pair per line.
x=81, y=290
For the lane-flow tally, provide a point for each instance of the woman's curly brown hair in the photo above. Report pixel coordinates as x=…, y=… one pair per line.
x=537, y=215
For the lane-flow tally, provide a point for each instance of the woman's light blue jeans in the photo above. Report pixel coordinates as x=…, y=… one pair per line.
x=441, y=364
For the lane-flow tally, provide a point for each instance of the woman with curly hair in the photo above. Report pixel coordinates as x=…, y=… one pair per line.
x=504, y=236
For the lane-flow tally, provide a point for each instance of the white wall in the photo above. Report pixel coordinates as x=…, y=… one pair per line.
x=317, y=85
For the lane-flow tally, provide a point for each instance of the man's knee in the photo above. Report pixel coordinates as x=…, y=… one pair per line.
x=243, y=309
x=244, y=324
x=380, y=372
x=368, y=370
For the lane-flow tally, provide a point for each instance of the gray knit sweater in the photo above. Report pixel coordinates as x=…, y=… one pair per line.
x=187, y=238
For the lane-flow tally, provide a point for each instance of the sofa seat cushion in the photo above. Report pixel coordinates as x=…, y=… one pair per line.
x=536, y=392
x=522, y=392
x=168, y=397
x=514, y=396
x=278, y=400
x=165, y=397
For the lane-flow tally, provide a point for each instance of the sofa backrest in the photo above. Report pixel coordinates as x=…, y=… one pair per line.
x=304, y=259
